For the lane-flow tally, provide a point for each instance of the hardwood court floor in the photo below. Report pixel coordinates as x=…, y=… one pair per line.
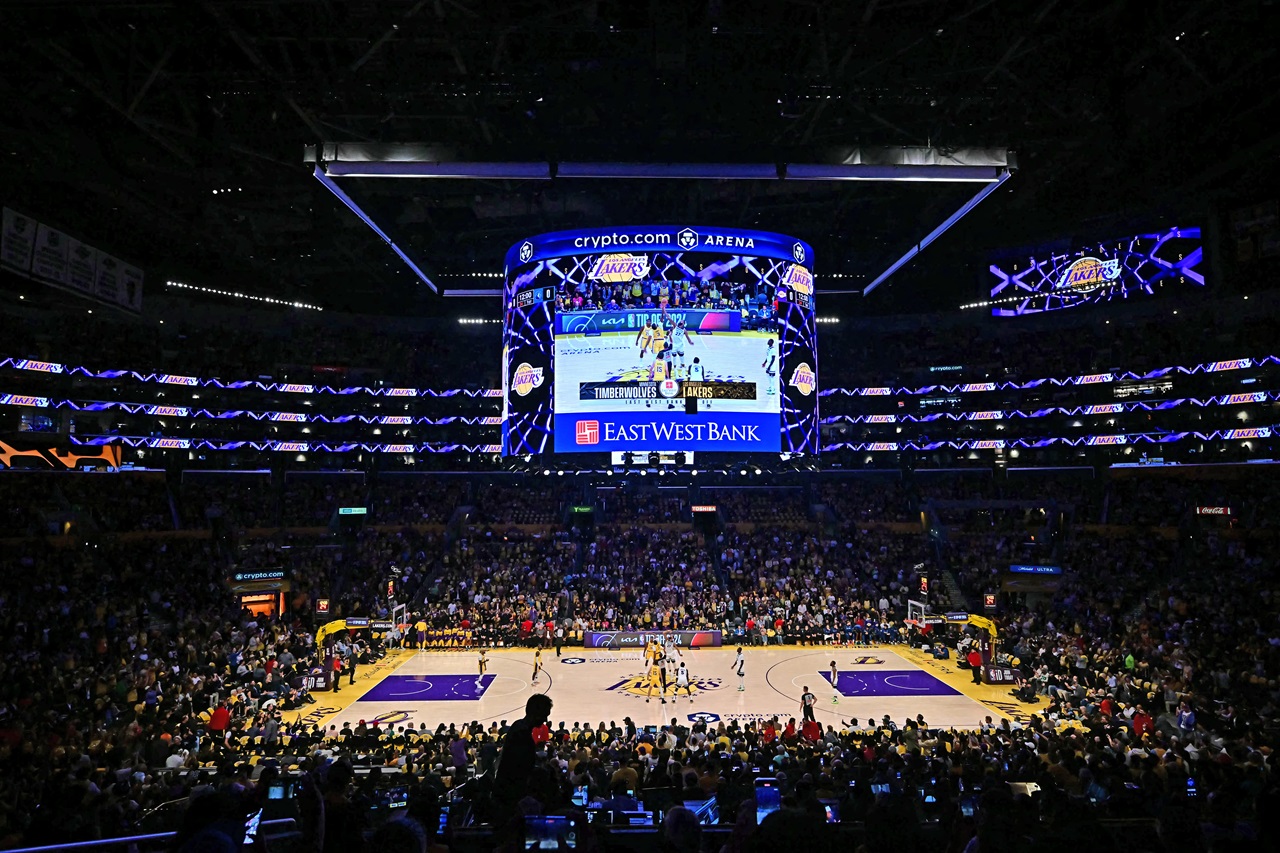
x=597, y=685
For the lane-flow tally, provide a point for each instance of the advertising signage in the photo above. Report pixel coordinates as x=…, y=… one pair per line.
x=1018, y=569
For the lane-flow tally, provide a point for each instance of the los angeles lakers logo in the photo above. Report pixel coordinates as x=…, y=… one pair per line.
x=803, y=379
x=390, y=718
x=866, y=661
x=526, y=378
x=638, y=685
x=1089, y=273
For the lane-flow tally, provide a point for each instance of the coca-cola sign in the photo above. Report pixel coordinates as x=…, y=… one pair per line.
x=1213, y=510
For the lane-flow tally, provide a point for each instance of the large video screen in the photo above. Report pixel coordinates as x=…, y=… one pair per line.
x=653, y=339
x=1131, y=268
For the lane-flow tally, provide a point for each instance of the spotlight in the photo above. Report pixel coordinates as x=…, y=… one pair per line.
x=654, y=460
x=757, y=471
x=546, y=472
x=743, y=472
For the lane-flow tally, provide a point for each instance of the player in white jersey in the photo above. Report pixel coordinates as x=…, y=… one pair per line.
x=671, y=648
x=770, y=365
x=740, y=668
x=682, y=680
x=678, y=339
x=698, y=373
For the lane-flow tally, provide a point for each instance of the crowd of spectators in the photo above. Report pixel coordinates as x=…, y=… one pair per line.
x=759, y=505
x=120, y=656
x=757, y=302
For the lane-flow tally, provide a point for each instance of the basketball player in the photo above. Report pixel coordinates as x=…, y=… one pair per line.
x=682, y=680
x=483, y=663
x=740, y=666
x=537, y=663
x=697, y=373
x=671, y=651
x=770, y=365
x=659, y=338
x=645, y=338
x=679, y=338
x=657, y=675
x=660, y=370
x=835, y=693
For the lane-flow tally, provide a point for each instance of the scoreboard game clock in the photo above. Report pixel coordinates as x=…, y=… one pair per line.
x=660, y=338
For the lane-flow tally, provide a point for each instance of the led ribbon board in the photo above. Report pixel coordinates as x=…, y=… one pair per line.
x=1134, y=267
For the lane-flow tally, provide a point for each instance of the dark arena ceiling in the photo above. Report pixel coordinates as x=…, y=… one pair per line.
x=121, y=119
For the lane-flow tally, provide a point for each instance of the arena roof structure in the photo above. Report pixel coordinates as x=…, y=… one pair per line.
x=169, y=132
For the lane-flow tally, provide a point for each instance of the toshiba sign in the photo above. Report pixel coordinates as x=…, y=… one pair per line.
x=1213, y=510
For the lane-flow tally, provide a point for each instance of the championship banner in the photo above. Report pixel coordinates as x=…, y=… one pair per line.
x=17, y=241
x=639, y=639
x=45, y=254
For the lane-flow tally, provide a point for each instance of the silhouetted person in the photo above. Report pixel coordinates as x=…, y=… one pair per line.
x=515, y=763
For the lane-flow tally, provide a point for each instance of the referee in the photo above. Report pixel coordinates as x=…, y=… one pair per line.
x=807, y=701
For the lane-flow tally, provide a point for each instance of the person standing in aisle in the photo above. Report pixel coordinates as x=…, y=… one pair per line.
x=740, y=667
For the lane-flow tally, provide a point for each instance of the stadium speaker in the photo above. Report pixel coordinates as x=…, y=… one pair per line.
x=655, y=460
x=691, y=405
x=681, y=459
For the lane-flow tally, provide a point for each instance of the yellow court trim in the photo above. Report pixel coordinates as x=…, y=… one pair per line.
x=330, y=704
x=993, y=696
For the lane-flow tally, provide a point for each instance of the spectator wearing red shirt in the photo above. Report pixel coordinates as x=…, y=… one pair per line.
x=1142, y=722
x=770, y=733
x=218, y=722
x=975, y=663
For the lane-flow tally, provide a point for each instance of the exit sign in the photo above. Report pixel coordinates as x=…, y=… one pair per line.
x=584, y=509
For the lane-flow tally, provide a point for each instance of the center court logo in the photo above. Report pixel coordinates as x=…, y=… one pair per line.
x=587, y=432
x=619, y=267
x=1088, y=273
x=803, y=379
x=638, y=686
x=526, y=378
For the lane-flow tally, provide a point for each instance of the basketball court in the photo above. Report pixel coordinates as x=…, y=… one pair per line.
x=412, y=687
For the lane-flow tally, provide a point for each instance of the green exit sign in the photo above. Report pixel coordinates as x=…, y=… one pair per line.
x=583, y=509
x=353, y=510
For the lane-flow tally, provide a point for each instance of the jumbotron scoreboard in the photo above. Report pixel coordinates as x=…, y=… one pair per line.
x=660, y=338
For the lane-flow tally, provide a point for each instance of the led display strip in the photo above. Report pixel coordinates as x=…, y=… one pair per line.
x=1086, y=379
x=1124, y=440
x=279, y=446
x=880, y=391
x=278, y=417
x=1083, y=441
x=1096, y=409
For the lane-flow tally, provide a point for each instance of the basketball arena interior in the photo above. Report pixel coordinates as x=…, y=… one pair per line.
x=434, y=425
